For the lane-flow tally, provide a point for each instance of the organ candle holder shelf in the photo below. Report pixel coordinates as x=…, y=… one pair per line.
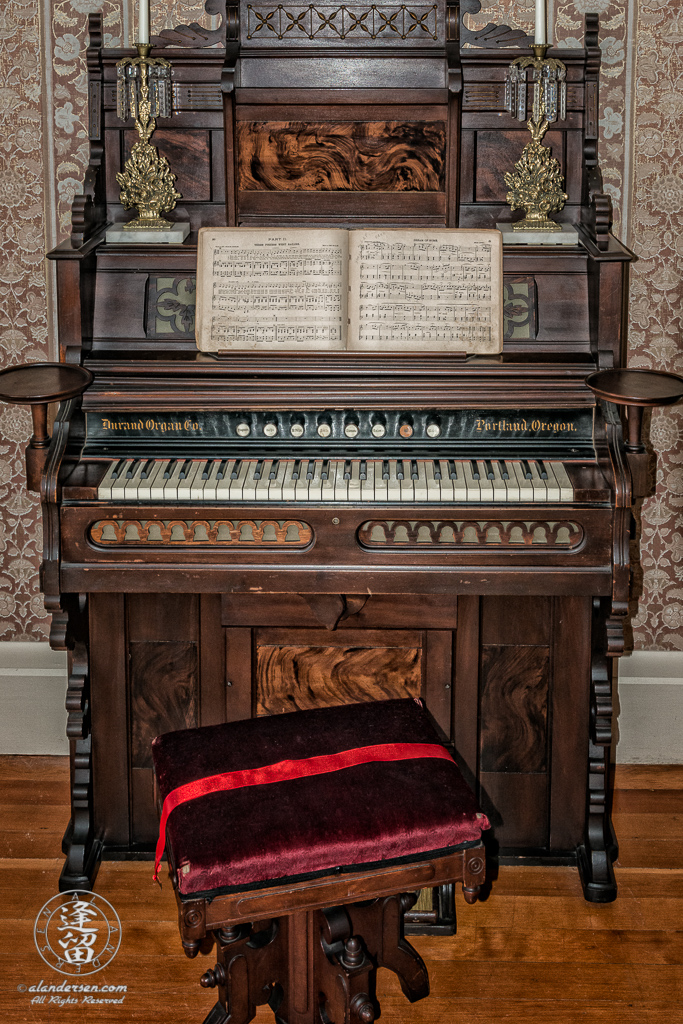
x=637, y=390
x=536, y=184
x=147, y=182
x=37, y=385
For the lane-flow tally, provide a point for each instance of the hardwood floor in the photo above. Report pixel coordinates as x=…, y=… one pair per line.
x=534, y=953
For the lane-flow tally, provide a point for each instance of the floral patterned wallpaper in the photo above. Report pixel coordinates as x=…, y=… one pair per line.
x=43, y=155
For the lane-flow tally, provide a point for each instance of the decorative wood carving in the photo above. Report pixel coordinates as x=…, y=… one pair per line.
x=88, y=210
x=381, y=156
x=196, y=35
x=320, y=22
x=125, y=533
x=490, y=36
x=424, y=534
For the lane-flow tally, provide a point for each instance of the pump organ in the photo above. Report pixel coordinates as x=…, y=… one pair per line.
x=234, y=536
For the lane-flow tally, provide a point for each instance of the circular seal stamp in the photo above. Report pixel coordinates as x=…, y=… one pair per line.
x=77, y=932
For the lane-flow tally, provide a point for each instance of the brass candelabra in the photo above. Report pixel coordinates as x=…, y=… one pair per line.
x=536, y=183
x=147, y=182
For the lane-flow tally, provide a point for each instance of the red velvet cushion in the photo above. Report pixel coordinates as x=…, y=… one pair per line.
x=373, y=812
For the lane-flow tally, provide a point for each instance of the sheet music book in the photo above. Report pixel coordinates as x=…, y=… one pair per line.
x=394, y=290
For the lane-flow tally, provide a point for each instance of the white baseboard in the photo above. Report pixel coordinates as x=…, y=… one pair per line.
x=649, y=707
x=33, y=687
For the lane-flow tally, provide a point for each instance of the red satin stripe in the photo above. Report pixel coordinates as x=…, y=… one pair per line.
x=283, y=771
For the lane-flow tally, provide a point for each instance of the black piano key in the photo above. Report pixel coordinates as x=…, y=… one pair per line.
x=542, y=471
x=118, y=468
x=296, y=470
x=363, y=471
x=385, y=469
x=186, y=469
x=132, y=469
x=399, y=469
x=168, y=472
x=503, y=470
x=489, y=470
x=453, y=471
x=347, y=469
x=207, y=468
x=437, y=470
x=414, y=475
x=273, y=469
x=146, y=468
x=310, y=472
x=475, y=469
x=526, y=469
x=235, y=471
x=259, y=470
x=221, y=469
x=324, y=475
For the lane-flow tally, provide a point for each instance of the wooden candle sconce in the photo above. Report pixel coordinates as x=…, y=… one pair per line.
x=637, y=390
x=37, y=385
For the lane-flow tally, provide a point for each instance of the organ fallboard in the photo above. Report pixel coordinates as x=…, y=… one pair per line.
x=227, y=536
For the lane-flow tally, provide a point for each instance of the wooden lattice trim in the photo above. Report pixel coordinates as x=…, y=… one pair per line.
x=423, y=534
x=125, y=533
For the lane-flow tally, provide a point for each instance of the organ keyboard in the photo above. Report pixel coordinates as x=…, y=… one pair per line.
x=347, y=480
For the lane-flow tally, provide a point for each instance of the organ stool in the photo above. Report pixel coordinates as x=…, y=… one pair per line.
x=295, y=844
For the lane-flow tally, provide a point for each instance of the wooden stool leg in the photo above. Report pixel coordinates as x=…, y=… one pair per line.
x=381, y=925
x=249, y=963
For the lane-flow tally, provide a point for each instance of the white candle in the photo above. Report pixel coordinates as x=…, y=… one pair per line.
x=143, y=21
x=540, y=37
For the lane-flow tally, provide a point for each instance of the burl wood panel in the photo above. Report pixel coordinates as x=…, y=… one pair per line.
x=163, y=693
x=290, y=678
x=354, y=156
x=188, y=155
x=514, y=709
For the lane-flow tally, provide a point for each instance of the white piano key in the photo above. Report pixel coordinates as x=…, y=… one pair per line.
x=328, y=485
x=393, y=483
x=354, y=484
x=460, y=485
x=288, y=481
x=108, y=481
x=407, y=487
x=526, y=490
x=315, y=484
x=145, y=485
x=433, y=484
x=185, y=486
x=118, y=488
x=445, y=483
x=367, y=486
x=538, y=484
x=500, y=491
x=485, y=485
x=381, y=485
x=130, y=491
x=159, y=481
x=512, y=483
x=173, y=479
x=263, y=483
x=302, y=484
x=341, y=484
x=551, y=485
x=275, y=490
x=205, y=489
x=420, y=485
x=565, y=484
x=243, y=486
x=472, y=489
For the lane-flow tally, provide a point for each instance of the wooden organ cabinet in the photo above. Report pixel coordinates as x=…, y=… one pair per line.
x=502, y=616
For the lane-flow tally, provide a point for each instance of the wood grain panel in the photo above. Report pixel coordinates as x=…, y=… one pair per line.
x=517, y=806
x=355, y=156
x=289, y=678
x=514, y=709
x=497, y=152
x=378, y=611
x=187, y=153
x=515, y=620
x=162, y=616
x=163, y=693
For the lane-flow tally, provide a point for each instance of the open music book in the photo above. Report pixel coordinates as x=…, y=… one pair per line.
x=431, y=290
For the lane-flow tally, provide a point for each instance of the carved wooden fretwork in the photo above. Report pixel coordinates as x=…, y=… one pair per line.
x=125, y=533
x=469, y=533
x=196, y=35
x=320, y=21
